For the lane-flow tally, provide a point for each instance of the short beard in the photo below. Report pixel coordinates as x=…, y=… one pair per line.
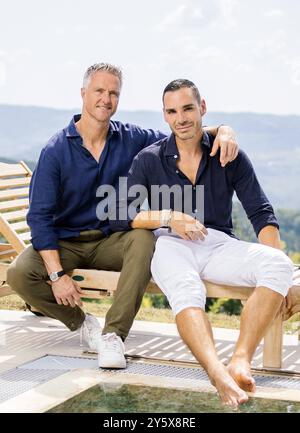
x=185, y=137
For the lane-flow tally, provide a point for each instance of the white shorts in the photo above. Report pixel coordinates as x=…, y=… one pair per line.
x=179, y=266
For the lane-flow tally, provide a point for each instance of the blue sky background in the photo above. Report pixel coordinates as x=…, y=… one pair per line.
x=243, y=55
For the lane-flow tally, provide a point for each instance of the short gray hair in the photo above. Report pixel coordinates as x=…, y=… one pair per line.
x=104, y=67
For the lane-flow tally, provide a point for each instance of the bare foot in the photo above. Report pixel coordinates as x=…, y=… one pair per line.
x=228, y=390
x=239, y=370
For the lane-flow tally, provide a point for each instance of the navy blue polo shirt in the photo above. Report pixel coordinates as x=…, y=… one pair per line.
x=156, y=165
x=63, y=188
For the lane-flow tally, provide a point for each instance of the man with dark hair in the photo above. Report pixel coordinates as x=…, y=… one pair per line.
x=201, y=245
x=180, y=84
x=66, y=231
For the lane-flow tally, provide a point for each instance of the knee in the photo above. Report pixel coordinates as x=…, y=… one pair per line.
x=17, y=273
x=24, y=270
x=142, y=240
x=277, y=272
x=180, y=302
x=182, y=289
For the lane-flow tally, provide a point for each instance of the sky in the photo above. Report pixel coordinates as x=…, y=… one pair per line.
x=243, y=55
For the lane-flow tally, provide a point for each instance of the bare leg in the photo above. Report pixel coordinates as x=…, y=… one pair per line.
x=258, y=313
x=195, y=330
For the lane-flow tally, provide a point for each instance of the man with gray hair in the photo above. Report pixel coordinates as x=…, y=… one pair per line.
x=68, y=233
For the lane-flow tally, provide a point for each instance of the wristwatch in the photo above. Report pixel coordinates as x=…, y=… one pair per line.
x=55, y=276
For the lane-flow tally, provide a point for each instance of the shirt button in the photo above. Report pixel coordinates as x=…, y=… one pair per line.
x=177, y=171
x=196, y=210
x=194, y=188
x=175, y=156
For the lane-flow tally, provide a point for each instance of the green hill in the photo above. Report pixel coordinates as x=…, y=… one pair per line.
x=272, y=142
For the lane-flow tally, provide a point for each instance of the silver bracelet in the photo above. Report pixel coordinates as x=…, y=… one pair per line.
x=169, y=221
x=165, y=216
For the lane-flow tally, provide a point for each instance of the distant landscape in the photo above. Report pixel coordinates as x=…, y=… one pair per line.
x=272, y=142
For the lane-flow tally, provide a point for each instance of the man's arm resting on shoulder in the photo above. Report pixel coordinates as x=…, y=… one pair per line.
x=65, y=290
x=225, y=139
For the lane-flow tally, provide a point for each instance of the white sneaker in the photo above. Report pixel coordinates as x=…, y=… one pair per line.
x=90, y=333
x=111, y=351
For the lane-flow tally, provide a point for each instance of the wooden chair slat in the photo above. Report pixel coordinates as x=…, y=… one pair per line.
x=7, y=170
x=15, y=215
x=12, y=183
x=14, y=193
x=11, y=236
x=25, y=236
x=22, y=225
x=8, y=254
x=14, y=204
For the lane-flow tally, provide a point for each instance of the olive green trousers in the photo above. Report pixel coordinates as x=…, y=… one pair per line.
x=129, y=252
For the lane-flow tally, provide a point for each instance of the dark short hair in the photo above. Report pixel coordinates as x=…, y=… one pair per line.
x=180, y=84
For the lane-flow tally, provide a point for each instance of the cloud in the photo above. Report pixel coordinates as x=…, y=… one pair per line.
x=192, y=15
x=274, y=13
x=272, y=47
x=183, y=15
x=3, y=68
x=71, y=64
x=19, y=55
x=3, y=73
x=228, y=11
x=243, y=68
x=294, y=65
x=211, y=53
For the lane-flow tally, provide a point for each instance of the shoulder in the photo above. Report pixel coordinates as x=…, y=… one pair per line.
x=240, y=168
x=126, y=128
x=133, y=131
x=56, y=141
x=150, y=156
x=153, y=151
x=241, y=160
x=55, y=146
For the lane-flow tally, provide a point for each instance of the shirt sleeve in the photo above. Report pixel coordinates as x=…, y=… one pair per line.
x=255, y=202
x=151, y=136
x=44, y=196
x=130, y=196
x=146, y=137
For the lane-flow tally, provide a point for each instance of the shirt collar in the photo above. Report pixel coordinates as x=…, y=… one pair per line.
x=171, y=146
x=71, y=130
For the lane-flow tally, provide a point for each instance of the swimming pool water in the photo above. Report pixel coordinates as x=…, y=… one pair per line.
x=120, y=398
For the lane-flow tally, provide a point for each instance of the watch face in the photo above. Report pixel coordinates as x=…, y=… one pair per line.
x=53, y=276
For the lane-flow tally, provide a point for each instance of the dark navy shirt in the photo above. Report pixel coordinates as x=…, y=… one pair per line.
x=63, y=188
x=156, y=165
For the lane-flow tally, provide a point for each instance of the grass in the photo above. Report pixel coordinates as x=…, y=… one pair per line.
x=219, y=320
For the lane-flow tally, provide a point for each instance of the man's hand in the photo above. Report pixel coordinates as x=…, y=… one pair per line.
x=291, y=303
x=187, y=227
x=67, y=291
x=226, y=140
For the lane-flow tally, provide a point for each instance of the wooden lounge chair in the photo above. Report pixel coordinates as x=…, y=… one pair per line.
x=14, y=189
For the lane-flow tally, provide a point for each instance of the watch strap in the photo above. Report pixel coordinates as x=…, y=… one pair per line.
x=59, y=274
